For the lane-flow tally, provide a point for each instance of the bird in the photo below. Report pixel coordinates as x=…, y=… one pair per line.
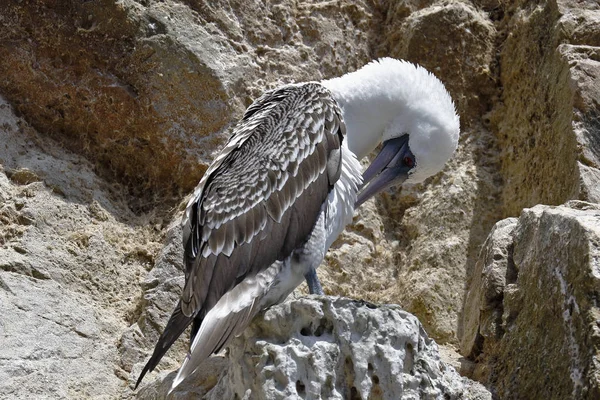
x=287, y=183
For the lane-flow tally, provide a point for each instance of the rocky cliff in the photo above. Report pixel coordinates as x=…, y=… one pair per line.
x=111, y=111
x=531, y=312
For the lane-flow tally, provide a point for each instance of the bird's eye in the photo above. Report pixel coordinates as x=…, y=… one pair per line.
x=409, y=162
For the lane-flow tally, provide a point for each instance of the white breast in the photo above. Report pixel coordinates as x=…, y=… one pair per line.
x=340, y=202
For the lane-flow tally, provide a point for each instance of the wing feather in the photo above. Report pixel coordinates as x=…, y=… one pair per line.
x=274, y=207
x=175, y=327
x=258, y=201
x=228, y=318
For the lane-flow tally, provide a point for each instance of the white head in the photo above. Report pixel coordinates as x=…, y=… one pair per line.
x=404, y=106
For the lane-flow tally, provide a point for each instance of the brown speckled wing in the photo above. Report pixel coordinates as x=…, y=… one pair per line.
x=262, y=195
x=257, y=202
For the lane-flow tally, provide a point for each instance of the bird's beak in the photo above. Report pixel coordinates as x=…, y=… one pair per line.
x=390, y=167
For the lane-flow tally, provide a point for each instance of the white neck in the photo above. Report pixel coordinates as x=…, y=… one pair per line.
x=367, y=108
x=388, y=98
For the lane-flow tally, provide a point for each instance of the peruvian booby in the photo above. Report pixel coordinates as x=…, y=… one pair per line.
x=286, y=184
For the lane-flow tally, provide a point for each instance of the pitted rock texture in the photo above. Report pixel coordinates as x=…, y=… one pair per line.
x=335, y=348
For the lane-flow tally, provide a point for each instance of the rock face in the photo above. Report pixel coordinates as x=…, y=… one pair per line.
x=548, y=121
x=325, y=348
x=534, y=312
x=483, y=301
x=111, y=111
x=146, y=90
x=71, y=258
x=439, y=227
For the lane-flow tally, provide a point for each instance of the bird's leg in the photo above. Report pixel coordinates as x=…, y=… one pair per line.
x=312, y=280
x=311, y=254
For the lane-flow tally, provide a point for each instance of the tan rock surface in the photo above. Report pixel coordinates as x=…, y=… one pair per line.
x=71, y=259
x=547, y=127
x=535, y=122
x=537, y=326
x=141, y=94
x=146, y=90
x=483, y=302
x=439, y=226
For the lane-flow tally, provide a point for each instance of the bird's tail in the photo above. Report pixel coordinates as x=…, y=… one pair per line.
x=234, y=311
x=175, y=327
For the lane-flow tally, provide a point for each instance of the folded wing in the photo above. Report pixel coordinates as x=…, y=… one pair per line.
x=256, y=203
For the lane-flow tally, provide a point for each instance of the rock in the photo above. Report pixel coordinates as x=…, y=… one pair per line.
x=584, y=62
x=196, y=386
x=542, y=122
x=72, y=256
x=161, y=291
x=438, y=227
x=544, y=321
x=360, y=263
x=146, y=91
x=54, y=344
x=547, y=123
x=336, y=348
x=483, y=302
x=97, y=69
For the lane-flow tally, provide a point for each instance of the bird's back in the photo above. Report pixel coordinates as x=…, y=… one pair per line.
x=257, y=202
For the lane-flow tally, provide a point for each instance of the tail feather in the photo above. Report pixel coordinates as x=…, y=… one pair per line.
x=213, y=335
x=230, y=316
x=175, y=327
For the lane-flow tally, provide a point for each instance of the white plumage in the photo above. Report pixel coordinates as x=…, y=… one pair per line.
x=388, y=97
x=286, y=184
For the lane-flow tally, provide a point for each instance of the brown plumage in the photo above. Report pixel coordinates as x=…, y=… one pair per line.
x=257, y=203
